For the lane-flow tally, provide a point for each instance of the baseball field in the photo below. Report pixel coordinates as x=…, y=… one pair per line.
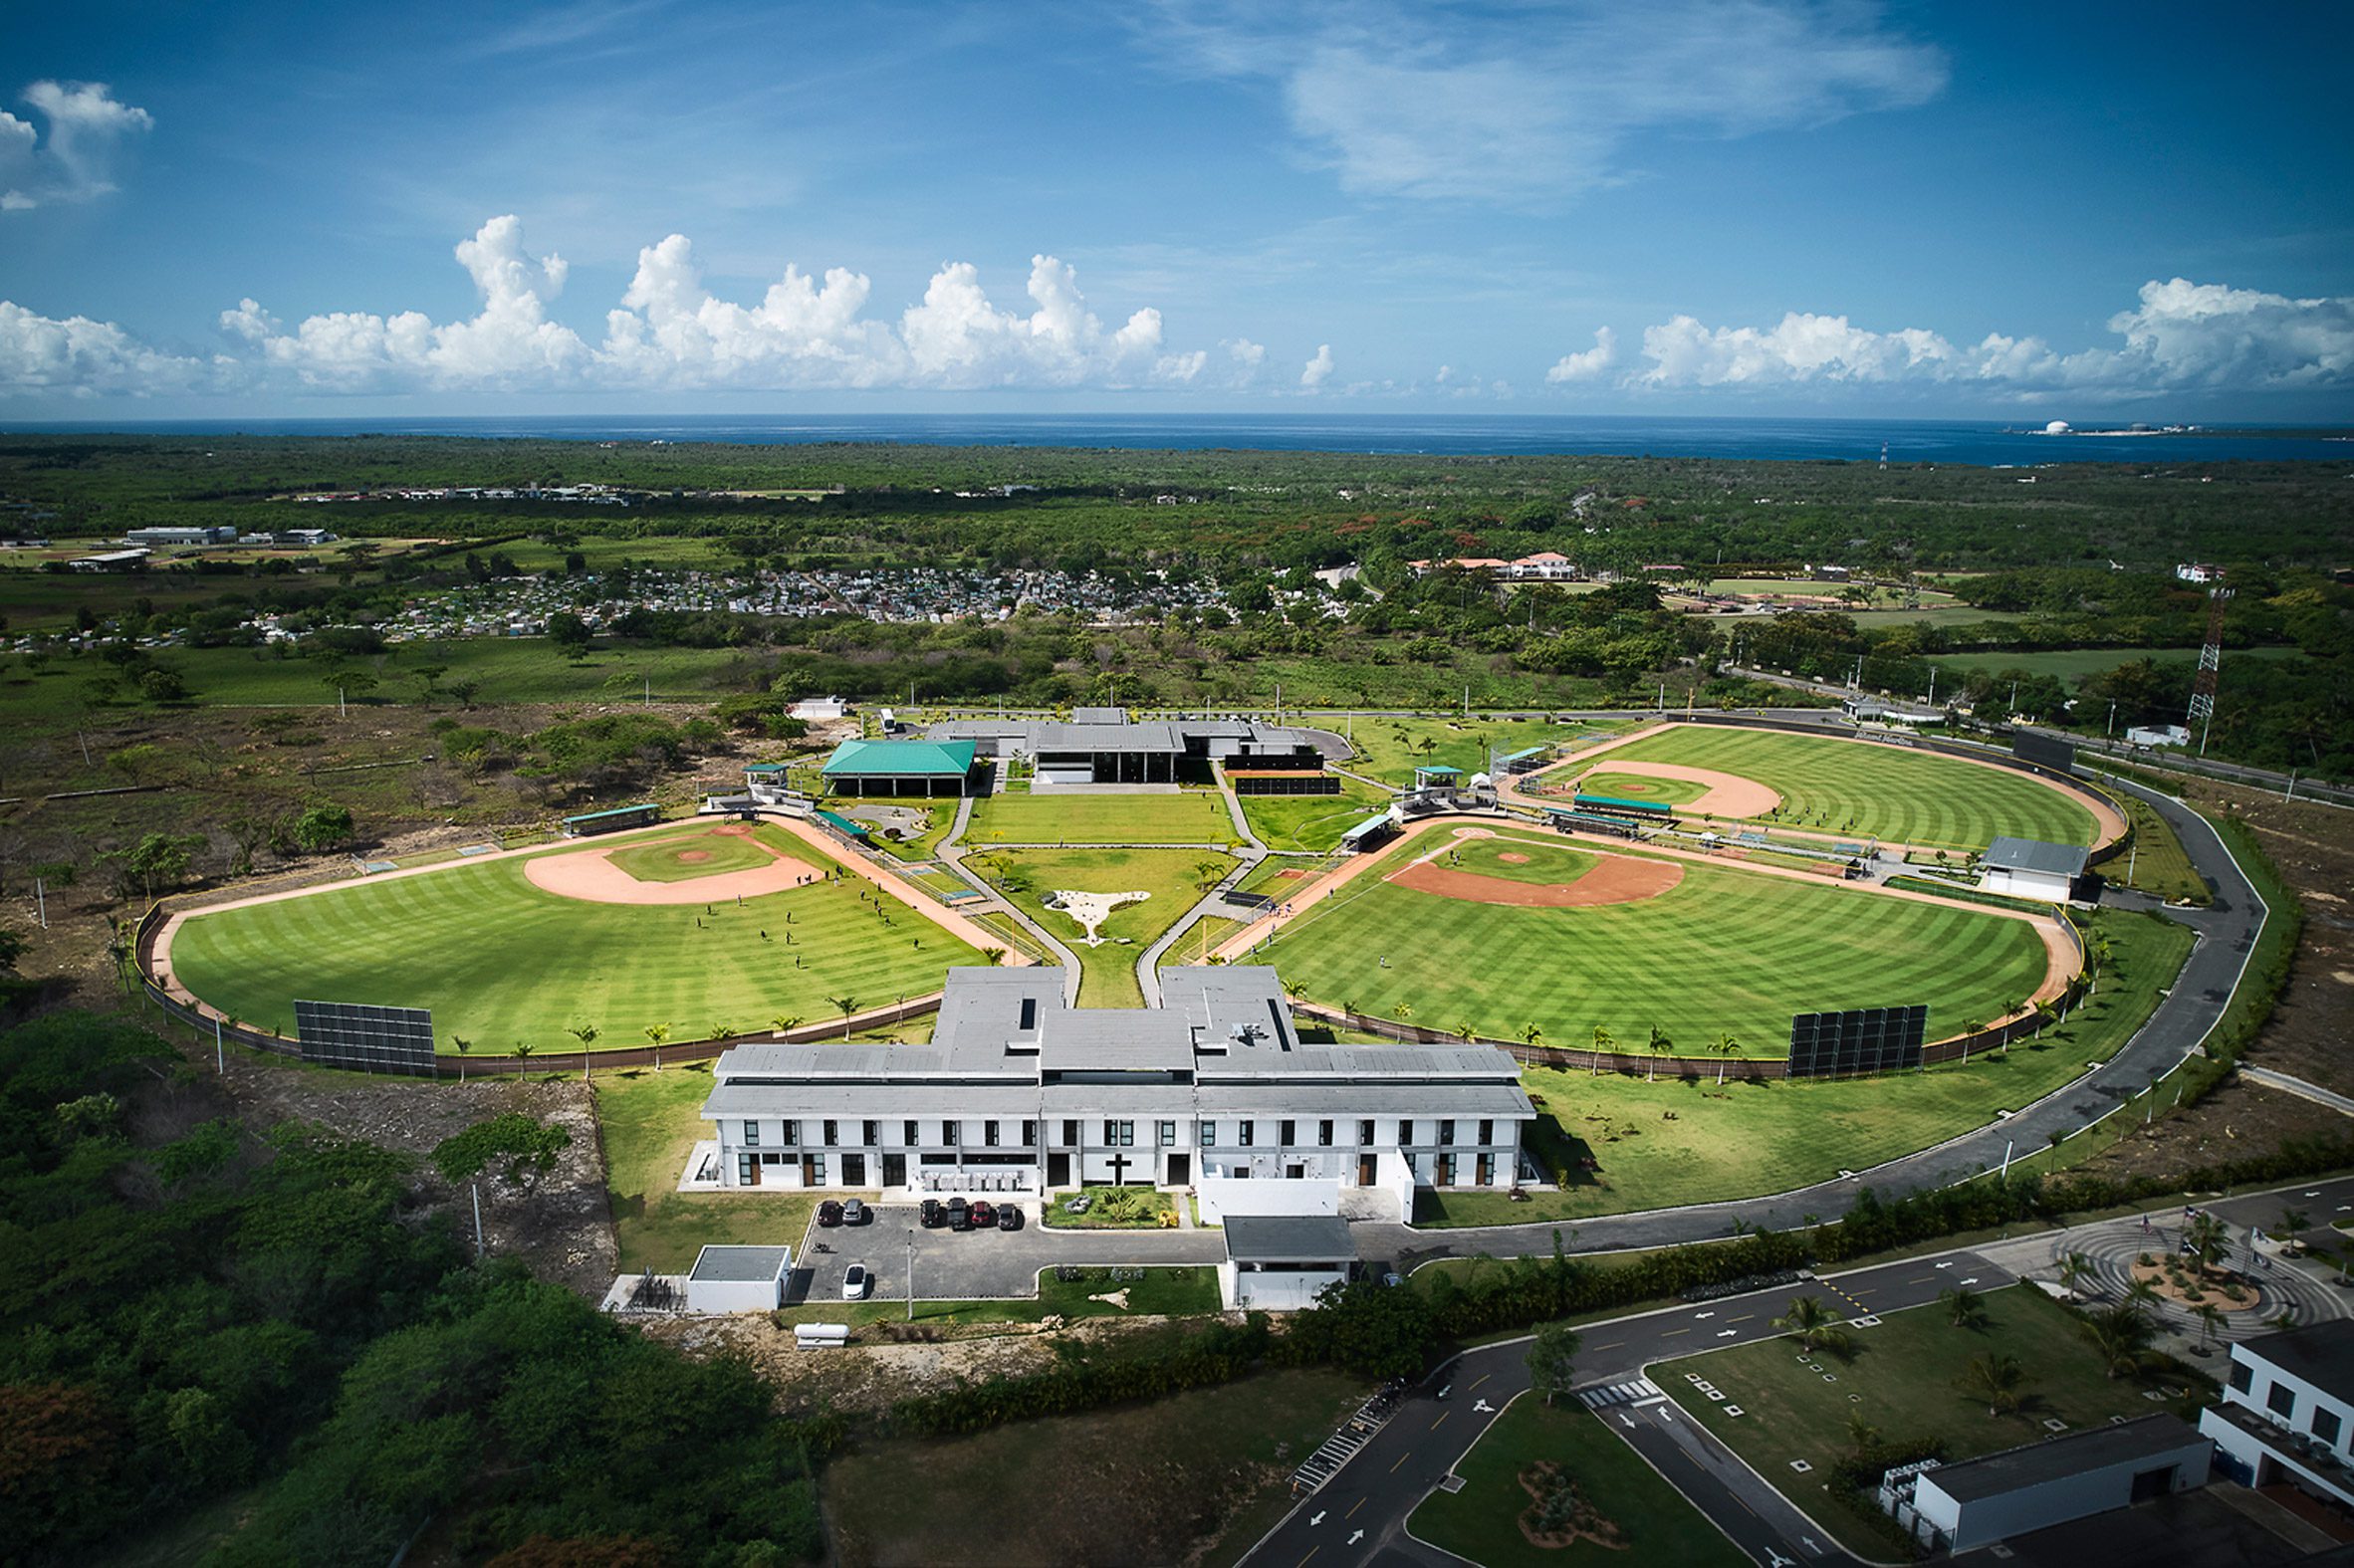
x=502, y=959
x=1867, y=789
x=1502, y=933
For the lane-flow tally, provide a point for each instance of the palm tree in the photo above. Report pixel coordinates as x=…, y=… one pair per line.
x=848, y=1005
x=2286, y=1228
x=1465, y=1030
x=1726, y=1048
x=523, y=1049
x=993, y=957
x=1603, y=1041
x=1661, y=1045
x=1861, y=1432
x=2210, y=1321
x=2209, y=1239
x=655, y=1035
x=585, y=1034
x=1964, y=1307
x=2141, y=1294
x=1997, y=1379
x=1531, y=1035
x=2074, y=1269
x=785, y=1022
x=1813, y=1323
x=2122, y=1333
x=462, y=1046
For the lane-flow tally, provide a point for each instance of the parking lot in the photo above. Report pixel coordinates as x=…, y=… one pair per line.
x=976, y=1264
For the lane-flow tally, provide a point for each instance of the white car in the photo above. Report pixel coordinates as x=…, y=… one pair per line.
x=856, y=1282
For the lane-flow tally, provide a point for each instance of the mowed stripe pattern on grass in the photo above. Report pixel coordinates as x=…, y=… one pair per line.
x=1868, y=790
x=1721, y=952
x=1195, y=816
x=500, y=960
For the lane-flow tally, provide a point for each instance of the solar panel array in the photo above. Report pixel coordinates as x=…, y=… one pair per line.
x=1860, y=1041
x=2046, y=750
x=367, y=1038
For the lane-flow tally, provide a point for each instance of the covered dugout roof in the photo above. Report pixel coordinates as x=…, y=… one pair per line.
x=2034, y=854
x=901, y=758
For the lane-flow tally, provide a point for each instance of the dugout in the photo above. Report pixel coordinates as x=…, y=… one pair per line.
x=589, y=823
x=1370, y=834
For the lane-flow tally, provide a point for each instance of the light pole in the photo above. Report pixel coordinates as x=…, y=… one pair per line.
x=910, y=1271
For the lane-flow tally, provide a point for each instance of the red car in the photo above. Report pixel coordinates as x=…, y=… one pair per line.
x=984, y=1215
x=829, y=1214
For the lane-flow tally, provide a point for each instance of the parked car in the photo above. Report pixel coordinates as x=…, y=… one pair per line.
x=855, y=1281
x=829, y=1214
x=1008, y=1217
x=960, y=1215
x=984, y=1215
x=855, y=1211
x=933, y=1215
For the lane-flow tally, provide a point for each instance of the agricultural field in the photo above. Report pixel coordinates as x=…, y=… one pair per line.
x=501, y=961
x=1173, y=881
x=1313, y=822
x=1654, y=1522
x=1685, y=1140
x=1190, y=817
x=1857, y=787
x=1721, y=951
x=1867, y=596
x=1908, y=1373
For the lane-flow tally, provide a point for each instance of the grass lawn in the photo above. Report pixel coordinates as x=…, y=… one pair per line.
x=1173, y=879
x=939, y=817
x=1147, y=1206
x=2156, y=858
x=649, y=1122
x=1677, y=1141
x=1390, y=748
x=1859, y=787
x=1133, y=1485
x=1274, y=876
x=1311, y=821
x=1902, y=1379
x=711, y=854
x=1723, y=951
x=1635, y=787
x=1481, y=1523
x=1192, y=816
x=500, y=960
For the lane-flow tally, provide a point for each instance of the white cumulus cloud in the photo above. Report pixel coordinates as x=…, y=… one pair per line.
x=1588, y=364
x=1317, y=370
x=86, y=124
x=80, y=358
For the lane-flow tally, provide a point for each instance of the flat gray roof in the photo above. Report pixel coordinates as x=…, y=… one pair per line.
x=2081, y=1452
x=752, y=1264
x=2321, y=1354
x=1289, y=1238
x=2034, y=854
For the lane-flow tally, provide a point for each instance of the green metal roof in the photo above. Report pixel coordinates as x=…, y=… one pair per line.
x=907, y=759
x=1624, y=805
x=765, y=768
x=842, y=825
x=618, y=810
x=1519, y=755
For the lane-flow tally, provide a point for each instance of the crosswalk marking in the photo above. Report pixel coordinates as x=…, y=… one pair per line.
x=1604, y=1395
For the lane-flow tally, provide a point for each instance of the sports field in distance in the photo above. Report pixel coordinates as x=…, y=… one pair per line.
x=1311, y=821
x=1720, y=950
x=1869, y=789
x=1190, y=816
x=500, y=959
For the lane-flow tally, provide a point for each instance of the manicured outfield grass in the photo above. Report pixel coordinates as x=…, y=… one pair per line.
x=1311, y=821
x=1906, y=1370
x=500, y=960
x=1723, y=950
x=1681, y=1141
x=1864, y=788
x=1107, y=973
x=1635, y=787
x=1193, y=816
x=1391, y=749
x=1133, y=1483
x=1543, y=864
x=650, y=1121
x=666, y=861
x=1481, y=1523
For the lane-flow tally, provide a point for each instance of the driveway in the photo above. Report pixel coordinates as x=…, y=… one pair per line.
x=979, y=1265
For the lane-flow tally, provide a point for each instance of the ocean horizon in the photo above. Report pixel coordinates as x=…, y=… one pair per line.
x=1980, y=443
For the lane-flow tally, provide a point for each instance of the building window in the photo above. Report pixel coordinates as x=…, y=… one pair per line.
x=2280, y=1399
x=1120, y=1135
x=2326, y=1426
x=831, y=1138
x=1029, y=1135
x=1209, y=1134
x=989, y=1134
x=744, y=1168
x=1446, y=1131
x=1069, y=1133
x=1290, y=1135
x=788, y=1132
x=1168, y=1134
x=873, y=1133
x=1243, y=1132
x=1324, y=1133
x=1405, y=1130
x=817, y=1170
x=1487, y=1131
x=752, y=1135
x=948, y=1134
x=2242, y=1376
x=1365, y=1133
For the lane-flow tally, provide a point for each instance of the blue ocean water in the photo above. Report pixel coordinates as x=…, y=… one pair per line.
x=1854, y=440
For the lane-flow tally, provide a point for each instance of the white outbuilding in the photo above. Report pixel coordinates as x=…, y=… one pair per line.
x=1280, y=1262
x=1962, y=1508
x=2031, y=868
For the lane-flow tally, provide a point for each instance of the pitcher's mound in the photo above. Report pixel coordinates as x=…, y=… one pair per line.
x=1616, y=879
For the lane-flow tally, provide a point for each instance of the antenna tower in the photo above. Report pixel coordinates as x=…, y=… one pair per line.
x=2210, y=658
x=1883, y=457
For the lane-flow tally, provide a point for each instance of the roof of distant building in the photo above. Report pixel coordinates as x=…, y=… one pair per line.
x=2034, y=854
x=913, y=759
x=1289, y=1238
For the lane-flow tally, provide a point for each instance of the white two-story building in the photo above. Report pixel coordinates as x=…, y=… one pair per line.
x=1019, y=1093
x=2287, y=1413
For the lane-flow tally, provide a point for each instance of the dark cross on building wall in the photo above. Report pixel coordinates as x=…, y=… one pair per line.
x=1119, y=1170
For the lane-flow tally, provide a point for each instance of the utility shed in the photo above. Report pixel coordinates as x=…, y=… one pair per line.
x=739, y=1278
x=2030, y=868
x=1279, y=1262
x=1977, y=1501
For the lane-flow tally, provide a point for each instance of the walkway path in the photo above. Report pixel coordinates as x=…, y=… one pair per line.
x=2298, y=1086
x=950, y=852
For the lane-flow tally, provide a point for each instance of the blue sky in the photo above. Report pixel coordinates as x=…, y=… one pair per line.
x=1692, y=207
